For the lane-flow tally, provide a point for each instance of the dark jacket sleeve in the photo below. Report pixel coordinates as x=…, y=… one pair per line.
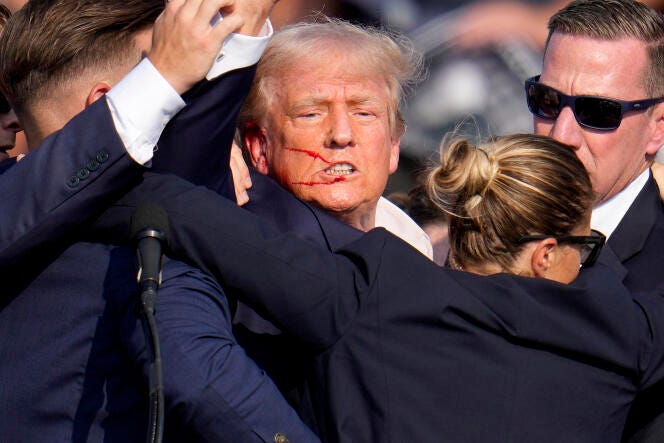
x=80, y=170
x=213, y=390
x=196, y=144
x=300, y=286
x=73, y=175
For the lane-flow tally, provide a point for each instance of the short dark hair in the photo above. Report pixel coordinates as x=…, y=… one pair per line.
x=613, y=20
x=49, y=42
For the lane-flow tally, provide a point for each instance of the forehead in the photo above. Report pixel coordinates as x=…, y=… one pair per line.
x=331, y=79
x=584, y=65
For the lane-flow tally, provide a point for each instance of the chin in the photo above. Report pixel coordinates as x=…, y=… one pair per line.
x=338, y=206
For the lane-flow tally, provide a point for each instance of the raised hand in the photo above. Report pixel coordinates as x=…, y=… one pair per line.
x=254, y=13
x=186, y=40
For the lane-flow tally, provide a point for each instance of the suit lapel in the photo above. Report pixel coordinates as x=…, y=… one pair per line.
x=609, y=258
x=632, y=233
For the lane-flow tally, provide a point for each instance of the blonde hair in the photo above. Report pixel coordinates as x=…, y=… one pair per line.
x=504, y=189
x=386, y=54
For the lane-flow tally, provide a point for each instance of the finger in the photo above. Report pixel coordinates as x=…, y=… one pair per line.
x=247, y=180
x=241, y=198
x=173, y=6
x=209, y=8
x=225, y=27
x=188, y=10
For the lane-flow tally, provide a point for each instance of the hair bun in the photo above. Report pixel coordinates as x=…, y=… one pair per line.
x=465, y=174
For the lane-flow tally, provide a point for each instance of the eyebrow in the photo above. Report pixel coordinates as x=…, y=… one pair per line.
x=317, y=100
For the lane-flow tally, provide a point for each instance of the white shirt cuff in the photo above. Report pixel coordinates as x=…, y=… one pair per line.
x=240, y=51
x=141, y=106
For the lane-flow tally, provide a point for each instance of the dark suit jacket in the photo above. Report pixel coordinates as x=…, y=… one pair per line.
x=278, y=353
x=636, y=253
x=57, y=189
x=275, y=352
x=638, y=241
x=75, y=363
x=214, y=391
x=406, y=351
x=40, y=209
x=196, y=144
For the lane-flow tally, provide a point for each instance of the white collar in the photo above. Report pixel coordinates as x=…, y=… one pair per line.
x=390, y=217
x=607, y=216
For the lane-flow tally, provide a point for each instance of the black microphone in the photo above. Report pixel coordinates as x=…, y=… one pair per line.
x=149, y=230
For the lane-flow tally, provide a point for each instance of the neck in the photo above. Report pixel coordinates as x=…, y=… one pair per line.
x=484, y=269
x=520, y=266
x=41, y=119
x=625, y=183
x=33, y=129
x=364, y=220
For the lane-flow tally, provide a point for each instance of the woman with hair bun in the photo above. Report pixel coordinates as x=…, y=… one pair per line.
x=519, y=204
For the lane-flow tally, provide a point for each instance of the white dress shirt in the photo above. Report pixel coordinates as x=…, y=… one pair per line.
x=390, y=217
x=143, y=102
x=607, y=216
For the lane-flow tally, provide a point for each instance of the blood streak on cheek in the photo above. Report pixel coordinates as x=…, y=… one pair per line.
x=336, y=180
x=311, y=154
x=315, y=155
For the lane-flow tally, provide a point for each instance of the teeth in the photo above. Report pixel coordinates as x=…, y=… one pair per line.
x=340, y=169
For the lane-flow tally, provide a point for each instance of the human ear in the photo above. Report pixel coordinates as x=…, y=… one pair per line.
x=96, y=92
x=394, y=154
x=657, y=139
x=255, y=140
x=543, y=257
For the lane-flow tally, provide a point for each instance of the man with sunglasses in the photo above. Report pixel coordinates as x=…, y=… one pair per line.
x=601, y=91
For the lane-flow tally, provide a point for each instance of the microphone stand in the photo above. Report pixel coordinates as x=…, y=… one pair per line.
x=155, y=376
x=149, y=228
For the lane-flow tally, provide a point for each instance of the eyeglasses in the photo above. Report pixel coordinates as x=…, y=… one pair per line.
x=5, y=107
x=603, y=114
x=592, y=244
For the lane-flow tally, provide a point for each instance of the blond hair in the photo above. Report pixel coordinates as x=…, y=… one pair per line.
x=388, y=55
x=504, y=189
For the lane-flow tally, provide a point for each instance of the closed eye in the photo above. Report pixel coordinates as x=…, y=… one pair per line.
x=308, y=115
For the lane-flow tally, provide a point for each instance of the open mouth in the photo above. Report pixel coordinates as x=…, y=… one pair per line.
x=336, y=173
x=340, y=170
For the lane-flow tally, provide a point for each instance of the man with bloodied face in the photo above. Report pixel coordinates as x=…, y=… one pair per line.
x=323, y=120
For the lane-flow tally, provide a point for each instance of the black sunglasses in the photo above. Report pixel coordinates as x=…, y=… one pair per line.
x=5, y=107
x=604, y=114
x=592, y=244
